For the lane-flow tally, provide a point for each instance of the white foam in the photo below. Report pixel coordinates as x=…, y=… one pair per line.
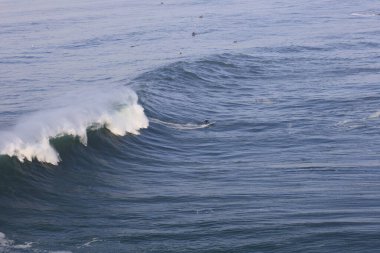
x=374, y=115
x=6, y=243
x=117, y=110
x=87, y=244
x=364, y=14
x=343, y=122
x=23, y=246
x=350, y=124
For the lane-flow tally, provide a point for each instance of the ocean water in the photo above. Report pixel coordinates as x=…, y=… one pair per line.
x=104, y=145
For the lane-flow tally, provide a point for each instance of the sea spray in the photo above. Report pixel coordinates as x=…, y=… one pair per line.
x=117, y=110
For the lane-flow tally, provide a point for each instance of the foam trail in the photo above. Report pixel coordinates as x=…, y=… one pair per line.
x=187, y=126
x=374, y=115
x=364, y=14
x=116, y=110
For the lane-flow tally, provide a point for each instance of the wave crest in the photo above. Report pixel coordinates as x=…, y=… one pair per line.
x=117, y=110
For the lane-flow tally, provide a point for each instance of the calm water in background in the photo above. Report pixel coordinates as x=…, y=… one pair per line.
x=290, y=165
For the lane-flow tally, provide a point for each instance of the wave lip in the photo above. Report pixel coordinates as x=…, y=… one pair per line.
x=118, y=111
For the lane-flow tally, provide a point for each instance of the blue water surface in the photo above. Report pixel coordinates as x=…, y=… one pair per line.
x=290, y=162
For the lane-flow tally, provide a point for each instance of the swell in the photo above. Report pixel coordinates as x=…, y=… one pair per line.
x=223, y=88
x=177, y=98
x=255, y=114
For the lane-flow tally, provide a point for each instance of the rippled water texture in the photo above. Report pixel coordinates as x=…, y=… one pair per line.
x=120, y=131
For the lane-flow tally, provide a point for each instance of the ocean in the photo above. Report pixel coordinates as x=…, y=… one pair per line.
x=189, y=126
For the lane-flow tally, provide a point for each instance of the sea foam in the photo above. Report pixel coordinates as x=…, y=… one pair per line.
x=117, y=110
x=374, y=115
x=364, y=14
x=6, y=244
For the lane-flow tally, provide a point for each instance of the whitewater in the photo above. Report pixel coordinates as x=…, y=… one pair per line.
x=189, y=126
x=115, y=110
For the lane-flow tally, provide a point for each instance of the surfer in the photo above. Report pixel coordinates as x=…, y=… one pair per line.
x=207, y=123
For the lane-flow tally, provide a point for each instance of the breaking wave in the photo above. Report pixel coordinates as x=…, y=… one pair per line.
x=116, y=110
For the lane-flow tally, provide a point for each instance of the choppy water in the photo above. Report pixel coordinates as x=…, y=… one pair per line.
x=103, y=141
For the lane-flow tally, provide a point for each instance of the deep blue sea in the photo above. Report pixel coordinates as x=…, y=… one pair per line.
x=244, y=126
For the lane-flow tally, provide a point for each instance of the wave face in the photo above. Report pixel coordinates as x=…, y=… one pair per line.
x=117, y=111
